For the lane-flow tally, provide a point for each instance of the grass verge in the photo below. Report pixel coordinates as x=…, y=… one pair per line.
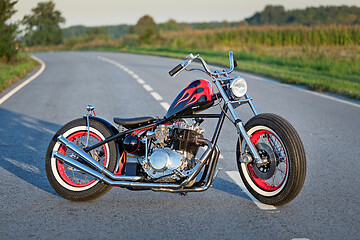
x=17, y=70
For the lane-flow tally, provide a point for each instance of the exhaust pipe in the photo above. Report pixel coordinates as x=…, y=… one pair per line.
x=100, y=168
x=78, y=165
x=102, y=177
x=108, y=177
x=211, y=177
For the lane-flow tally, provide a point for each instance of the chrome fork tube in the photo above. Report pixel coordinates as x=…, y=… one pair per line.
x=238, y=123
x=252, y=105
x=241, y=129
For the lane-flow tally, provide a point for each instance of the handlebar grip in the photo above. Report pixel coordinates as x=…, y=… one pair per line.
x=235, y=63
x=176, y=69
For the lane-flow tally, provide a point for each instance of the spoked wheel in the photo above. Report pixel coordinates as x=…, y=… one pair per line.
x=71, y=183
x=281, y=175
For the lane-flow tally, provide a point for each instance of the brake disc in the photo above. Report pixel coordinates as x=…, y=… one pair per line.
x=267, y=169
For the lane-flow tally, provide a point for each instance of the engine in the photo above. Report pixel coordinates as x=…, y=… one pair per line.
x=172, y=151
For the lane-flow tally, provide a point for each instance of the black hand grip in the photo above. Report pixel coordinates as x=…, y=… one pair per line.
x=235, y=63
x=176, y=69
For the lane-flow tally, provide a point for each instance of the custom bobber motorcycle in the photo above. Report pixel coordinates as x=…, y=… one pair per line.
x=89, y=155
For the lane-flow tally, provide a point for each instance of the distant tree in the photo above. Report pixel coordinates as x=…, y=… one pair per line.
x=117, y=30
x=272, y=15
x=96, y=32
x=170, y=25
x=146, y=29
x=43, y=26
x=8, y=31
x=74, y=31
x=113, y=31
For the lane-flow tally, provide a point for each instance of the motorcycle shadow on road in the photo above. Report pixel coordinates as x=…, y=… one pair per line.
x=229, y=188
x=23, y=144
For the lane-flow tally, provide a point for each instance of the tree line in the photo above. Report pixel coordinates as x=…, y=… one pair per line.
x=324, y=15
x=43, y=28
x=271, y=15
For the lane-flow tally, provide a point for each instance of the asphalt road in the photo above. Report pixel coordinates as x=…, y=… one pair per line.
x=328, y=207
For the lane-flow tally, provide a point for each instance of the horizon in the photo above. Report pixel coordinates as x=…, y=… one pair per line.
x=112, y=12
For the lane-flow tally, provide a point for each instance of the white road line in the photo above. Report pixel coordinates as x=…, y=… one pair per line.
x=330, y=98
x=135, y=76
x=348, y=102
x=129, y=71
x=156, y=96
x=221, y=156
x=235, y=176
x=140, y=81
x=165, y=105
x=27, y=81
x=107, y=60
x=147, y=87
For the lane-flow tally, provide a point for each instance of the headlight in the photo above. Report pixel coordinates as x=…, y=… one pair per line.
x=238, y=87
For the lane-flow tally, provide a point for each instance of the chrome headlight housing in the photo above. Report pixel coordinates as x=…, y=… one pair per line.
x=238, y=87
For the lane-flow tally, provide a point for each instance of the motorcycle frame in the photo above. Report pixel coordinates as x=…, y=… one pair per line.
x=209, y=169
x=210, y=158
x=220, y=79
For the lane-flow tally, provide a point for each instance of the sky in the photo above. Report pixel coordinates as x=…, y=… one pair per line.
x=113, y=12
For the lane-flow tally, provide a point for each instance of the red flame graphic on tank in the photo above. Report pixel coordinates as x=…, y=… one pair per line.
x=188, y=94
x=194, y=98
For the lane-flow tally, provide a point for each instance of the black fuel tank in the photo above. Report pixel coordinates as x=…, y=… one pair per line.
x=197, y=96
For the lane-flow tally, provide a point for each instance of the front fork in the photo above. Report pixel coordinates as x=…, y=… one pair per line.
x=247, y=158
x=240, y=126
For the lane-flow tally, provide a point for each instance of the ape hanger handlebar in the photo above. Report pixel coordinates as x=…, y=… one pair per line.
x=190, y=58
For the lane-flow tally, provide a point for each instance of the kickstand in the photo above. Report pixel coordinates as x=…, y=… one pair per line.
x=183, y=194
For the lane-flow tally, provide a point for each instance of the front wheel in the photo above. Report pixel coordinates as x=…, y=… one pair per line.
x=279, y=179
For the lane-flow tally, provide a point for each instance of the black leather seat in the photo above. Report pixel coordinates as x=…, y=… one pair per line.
x=131, y=123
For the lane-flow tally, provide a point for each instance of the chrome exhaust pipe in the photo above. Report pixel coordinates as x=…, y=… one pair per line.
x=100, y=168
x=211, y=177
x=78, y=165
x=202, y=161
x=102, y=174
x=72, y=162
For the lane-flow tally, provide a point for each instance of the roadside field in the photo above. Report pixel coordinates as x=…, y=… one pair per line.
x=13, y=72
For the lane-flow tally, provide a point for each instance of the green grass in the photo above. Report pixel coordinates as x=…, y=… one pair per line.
x=18, y=69
x=320, y=73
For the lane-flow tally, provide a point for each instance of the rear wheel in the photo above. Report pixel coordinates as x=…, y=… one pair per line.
x=69, y=182
x=280, y=178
